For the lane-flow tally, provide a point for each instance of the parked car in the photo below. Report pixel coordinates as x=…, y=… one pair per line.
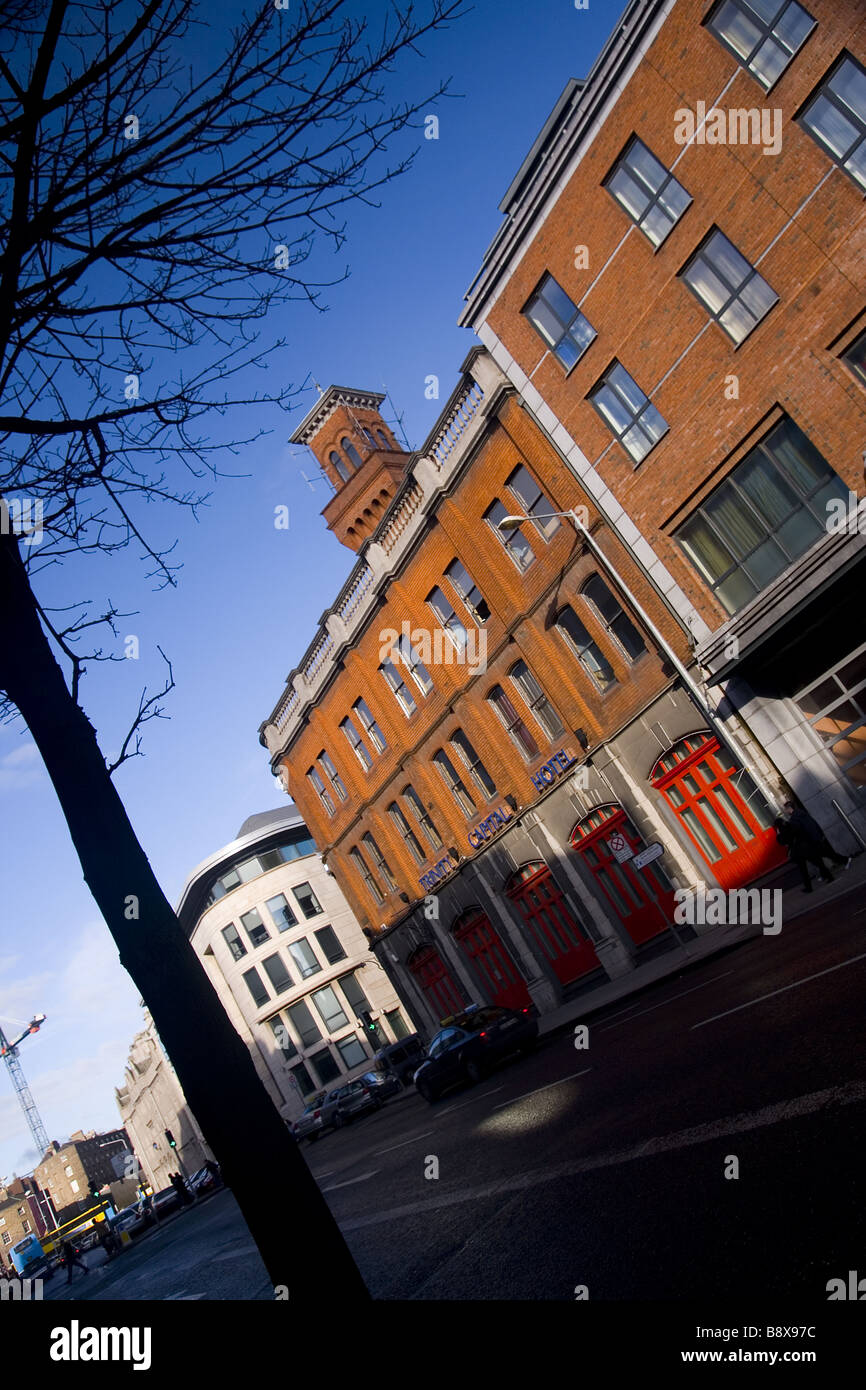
x=131, y=1220
x=347, y=1102
x=207, y=1179
x=308, y=1125
x=401, y=1059
x=169, y=1199
x=385, y=1084
x=471, y=1044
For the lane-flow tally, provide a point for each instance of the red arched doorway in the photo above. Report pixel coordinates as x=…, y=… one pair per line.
x=436, y=982
x=552, y=925
x=503, y=982
x=643, y=899
x=719, y=808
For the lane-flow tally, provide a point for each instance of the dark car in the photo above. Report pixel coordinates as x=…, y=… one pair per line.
x=207, y=1179
x=401, y=1059
x=385, y=1084
x=169, y=1199
x=347, y=1102
x=471, y=1044
x=308, y=1125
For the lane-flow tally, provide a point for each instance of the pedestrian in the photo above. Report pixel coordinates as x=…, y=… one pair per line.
x=806, y=844
x=72, y=1257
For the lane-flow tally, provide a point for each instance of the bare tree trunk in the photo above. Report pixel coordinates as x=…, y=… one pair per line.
x=239, y=1121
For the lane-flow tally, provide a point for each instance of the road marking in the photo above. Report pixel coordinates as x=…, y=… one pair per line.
x=182, y=1297
x=773, y=992
x=235, y=1254
x=404, y=1143
x=452, y=1108
x=330, y=1173
x=502, y=1104
x=682, y=995
x=350, y=1181
x=850, y=1093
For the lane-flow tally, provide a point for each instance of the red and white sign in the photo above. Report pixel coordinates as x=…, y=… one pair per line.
x=620, y=847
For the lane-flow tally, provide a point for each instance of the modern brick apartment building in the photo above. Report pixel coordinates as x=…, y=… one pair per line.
x=678, y=292
x=485, y=735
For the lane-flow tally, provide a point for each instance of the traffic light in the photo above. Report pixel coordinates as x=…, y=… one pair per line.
x=367, y=1020
x=172, y=1142
x=94, y=1190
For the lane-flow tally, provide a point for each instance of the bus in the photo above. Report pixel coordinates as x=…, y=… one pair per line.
x=30, y=1260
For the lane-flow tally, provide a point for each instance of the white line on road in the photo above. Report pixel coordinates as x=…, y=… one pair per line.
x=682, y=995
x=773, y=992
x=182, y=1297
x=470, y=1101
x=351, y=1181
x=235, y=1254
x=413, y=1140
x=502, y=1104
x=850, y=1093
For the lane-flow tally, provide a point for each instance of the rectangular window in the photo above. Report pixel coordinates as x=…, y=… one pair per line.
x=374, y=733
x=407, y=832
x=855, y=358
x=250, y=869
x=277, y=973
x=650, y=195
x=282, y=1037
x=588, y=653
x=533, y=501
x=298, y=847
x=305, y=1083
x=352, y=1052
x=324, y=761
x=559, y=322
x=402, y=693
x=329, y=945
x=303, y=956
x=304, y=1024
x=448, y=618
x=731, y=291
x=283, y=916
x=763, y=35
x=329, y=1008
x=397, y=1024
x=468, y=591
x=233, y=941
x=453, y=780
x=537, y=700
x=364, y=870
x=513, y=722
x=617, y=622
x=835, y=706
x=325, y=1067
x=768, y=512
x=480, y=776
x=515, y=542
x=358, y=744
x=255, y=927
x=836, y=117
x=628, y=413
x=412, y=661
x=358, y=1000
x=270, y=859
x=314, y=776
x=253, y=981
x=307, y=900
x=424, y=819
x=379, y=860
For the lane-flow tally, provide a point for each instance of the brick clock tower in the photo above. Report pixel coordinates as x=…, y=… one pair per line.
x=357, y=451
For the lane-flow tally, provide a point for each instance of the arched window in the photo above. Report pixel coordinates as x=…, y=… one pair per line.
x=588, y=652
x=617, y=622
x=343, y=470
x=719, y=808
x=382, y=440
x=550, y=922
x=350, y=451
x=520, y=733
x=369, y=437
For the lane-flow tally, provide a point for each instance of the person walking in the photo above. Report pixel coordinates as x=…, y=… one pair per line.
x=809, y=829
x=806, y=844
x=72, y=1257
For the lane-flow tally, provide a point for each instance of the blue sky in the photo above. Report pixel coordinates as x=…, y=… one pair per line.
x=249, y=596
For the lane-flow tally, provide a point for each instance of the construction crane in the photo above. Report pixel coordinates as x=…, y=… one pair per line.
x=9, y=1053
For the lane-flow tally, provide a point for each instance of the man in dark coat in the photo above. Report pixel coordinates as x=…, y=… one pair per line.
x=806, y=844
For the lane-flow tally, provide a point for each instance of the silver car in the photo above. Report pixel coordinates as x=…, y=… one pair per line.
x=308, y=1125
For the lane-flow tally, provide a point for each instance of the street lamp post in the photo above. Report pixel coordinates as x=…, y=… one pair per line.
x=511, y=523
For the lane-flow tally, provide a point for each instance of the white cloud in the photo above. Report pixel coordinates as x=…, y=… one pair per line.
x=21, y=767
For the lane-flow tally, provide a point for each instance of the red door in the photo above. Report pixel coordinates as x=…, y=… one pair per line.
x=720, y=810
x=503, y=982
x=436, y=982
x=643, y=899
x=551, y=923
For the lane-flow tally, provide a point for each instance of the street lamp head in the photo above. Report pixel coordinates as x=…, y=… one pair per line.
x=511, y=523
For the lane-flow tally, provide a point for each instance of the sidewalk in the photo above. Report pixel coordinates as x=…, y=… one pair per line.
x=795, y=903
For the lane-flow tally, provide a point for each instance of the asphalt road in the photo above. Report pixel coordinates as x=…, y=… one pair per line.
x=603, y=1168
